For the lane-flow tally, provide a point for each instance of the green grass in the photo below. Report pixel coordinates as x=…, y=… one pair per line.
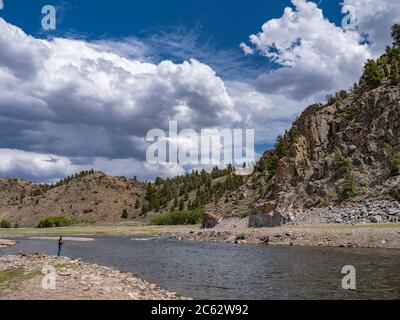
x=63, y=265
x=179, y=218
x=99, y=230
x=12, y=278
x=158, y=230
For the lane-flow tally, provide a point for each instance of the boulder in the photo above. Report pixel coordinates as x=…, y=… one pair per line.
x=376, y=219
x=395, y=193
x=264, y=239
x=209, y=221
x=261, y=220
x=268, y=207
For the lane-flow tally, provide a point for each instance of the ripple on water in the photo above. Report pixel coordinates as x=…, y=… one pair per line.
x=228, y=271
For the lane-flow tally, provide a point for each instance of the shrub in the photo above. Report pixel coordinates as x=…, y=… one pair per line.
x=281, y=148
x=179, y=218
x=181, y=205
x=343, y=165
x=124, y=214
x=260, y=165
x=394, y=160
x=349, y=187
x=4, y=224
x=272, y=165
x=55, y=222
x=396, y=35
x=395, y=165
x=373, y=74
x=353, y=112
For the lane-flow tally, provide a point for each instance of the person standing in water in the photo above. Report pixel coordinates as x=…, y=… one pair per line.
x=60, y=244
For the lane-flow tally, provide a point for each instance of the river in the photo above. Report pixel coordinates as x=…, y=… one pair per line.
x=231, y=271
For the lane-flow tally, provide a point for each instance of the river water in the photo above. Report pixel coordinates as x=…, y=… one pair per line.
x=230, y=271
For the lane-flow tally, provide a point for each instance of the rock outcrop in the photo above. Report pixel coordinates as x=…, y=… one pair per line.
x=340, y=151
x=209, y=221
x=265, y=216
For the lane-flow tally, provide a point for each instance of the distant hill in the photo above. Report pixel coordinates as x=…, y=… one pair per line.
x=94, y=197
x=86, y=197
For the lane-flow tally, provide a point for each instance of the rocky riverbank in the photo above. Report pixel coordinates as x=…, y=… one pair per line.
x=362, y=236
x=21, y=279
x=363, y=223
x=379, y=211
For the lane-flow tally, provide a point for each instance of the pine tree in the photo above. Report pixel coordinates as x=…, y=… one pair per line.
x=181, y=205
x=373, y=74
x=396, y=35
x=394, y=72
x=124, y=214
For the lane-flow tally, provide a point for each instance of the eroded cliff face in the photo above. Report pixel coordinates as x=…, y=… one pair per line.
x=345, y=151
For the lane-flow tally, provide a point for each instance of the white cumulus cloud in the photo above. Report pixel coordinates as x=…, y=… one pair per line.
x=67, y=105
x=375, y=18
x=70, y=97
x=315, y=56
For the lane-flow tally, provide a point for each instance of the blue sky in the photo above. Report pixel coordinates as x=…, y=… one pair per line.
x=218, y=25
x=85, y=95
x=227, y=22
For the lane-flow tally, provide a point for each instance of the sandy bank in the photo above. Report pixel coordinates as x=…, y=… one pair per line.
x=5, y=243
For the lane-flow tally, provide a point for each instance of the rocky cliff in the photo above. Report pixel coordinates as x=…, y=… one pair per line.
x=344, y=152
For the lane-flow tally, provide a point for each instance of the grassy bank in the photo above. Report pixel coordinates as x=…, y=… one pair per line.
x=158, y=230
x=11, y=279
x=99, y=230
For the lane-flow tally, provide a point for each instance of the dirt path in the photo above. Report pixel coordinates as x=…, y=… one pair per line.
x=21, y=279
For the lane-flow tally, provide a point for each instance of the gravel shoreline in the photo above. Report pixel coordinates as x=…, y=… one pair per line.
x=21, y=279
x=378, y=211
x=363, y=224
x=368, y=236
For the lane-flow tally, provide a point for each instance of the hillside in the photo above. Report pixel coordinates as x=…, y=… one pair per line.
x=86, y=197
x=94, y=197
